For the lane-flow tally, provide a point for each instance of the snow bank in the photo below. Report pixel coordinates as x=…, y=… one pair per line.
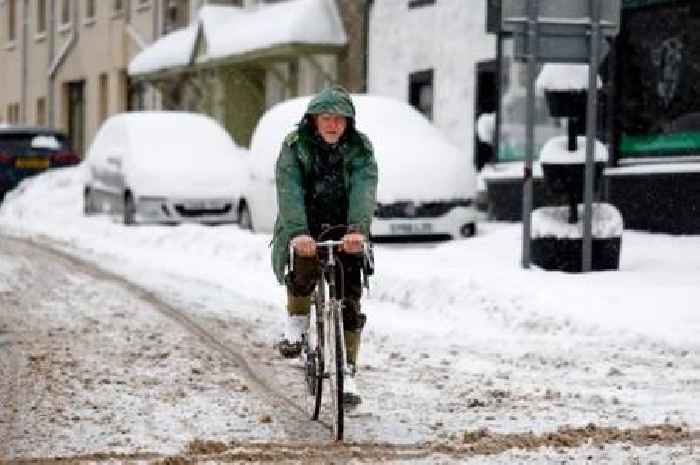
x=472, y=287
x=553, y=222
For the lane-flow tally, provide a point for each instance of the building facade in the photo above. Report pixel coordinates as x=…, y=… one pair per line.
x=430, y=53
x=65, y=62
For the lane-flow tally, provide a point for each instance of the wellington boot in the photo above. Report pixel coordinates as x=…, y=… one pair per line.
x=298, y=305
x=352, y=346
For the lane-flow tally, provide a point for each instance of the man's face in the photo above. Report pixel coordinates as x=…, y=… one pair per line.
x=331, y=127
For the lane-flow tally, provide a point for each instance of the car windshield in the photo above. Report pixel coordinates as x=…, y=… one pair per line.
x=21, y=143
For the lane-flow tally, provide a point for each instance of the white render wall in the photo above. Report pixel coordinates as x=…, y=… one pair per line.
x=449, y=37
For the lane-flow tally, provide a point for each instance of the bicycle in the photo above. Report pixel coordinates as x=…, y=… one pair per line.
x=323, y=343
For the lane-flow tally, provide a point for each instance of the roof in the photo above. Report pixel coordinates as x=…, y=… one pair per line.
x=228, y=31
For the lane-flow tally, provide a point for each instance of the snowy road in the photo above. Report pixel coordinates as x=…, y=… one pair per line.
x=95, y=365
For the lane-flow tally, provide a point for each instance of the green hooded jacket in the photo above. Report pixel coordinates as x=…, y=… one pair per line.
x=295, y=164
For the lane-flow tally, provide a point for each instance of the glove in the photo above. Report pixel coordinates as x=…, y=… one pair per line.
x=353, y=242
x=304, y=245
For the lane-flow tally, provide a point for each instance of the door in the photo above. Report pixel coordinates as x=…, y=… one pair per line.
x=76, y=116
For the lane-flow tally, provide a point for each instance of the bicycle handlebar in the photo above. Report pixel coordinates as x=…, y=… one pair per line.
x=328, y=244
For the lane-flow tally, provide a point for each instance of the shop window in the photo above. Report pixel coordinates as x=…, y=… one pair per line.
x=420, y=92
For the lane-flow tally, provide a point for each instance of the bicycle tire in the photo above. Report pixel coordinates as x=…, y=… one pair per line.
x=336, y=375
x=313, y=361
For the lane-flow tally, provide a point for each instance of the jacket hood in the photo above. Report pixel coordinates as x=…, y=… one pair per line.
x=334, y=100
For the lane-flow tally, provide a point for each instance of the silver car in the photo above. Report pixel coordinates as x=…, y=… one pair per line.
x=164, y=167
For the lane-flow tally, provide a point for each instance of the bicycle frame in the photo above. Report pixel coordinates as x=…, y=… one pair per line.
x=326, y=324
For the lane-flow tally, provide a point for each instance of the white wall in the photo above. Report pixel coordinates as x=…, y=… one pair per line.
x=449, y=37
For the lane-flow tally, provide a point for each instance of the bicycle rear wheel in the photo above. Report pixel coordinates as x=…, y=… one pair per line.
x=313, y=360
x=337, y=369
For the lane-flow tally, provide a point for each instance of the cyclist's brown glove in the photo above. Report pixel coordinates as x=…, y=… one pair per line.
x=353, y=242
x=304, y=245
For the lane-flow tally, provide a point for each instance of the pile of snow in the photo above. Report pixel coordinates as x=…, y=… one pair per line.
x=553, y=222
x=556, y=151
x=563, y=77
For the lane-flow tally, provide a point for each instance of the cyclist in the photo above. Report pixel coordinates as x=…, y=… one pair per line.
x=326, y=174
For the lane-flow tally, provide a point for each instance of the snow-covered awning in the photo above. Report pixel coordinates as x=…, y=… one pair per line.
x=226, y=32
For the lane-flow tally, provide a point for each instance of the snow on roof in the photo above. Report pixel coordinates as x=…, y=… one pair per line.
x=290, y=22
x=170, y=51
x=558, y=76
x=230, y=31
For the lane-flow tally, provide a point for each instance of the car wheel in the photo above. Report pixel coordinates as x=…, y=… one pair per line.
x=129, y=209
x=245, y=220
x=468, y=230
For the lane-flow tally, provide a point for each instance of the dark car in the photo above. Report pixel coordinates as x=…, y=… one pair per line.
x=26, y=151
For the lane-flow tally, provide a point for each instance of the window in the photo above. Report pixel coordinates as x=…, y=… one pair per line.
x=13, y=113
x=65, y=12
x=104, y=96
x=11, y=20
x=420, y=92
x=118, y=6
x=420, y=3
x=89, y=9
x=40, y=16
x=41, y=111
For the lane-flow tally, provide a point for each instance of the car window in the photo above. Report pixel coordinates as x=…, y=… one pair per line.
x=23, y=143
x=46, y=142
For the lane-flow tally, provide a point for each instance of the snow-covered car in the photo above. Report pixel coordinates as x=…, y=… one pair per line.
x=426, y=185
x=27, y=151
x=164, y=167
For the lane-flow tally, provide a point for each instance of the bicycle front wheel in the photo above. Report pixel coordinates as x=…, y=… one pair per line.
x=313, y=360
x=337, y=369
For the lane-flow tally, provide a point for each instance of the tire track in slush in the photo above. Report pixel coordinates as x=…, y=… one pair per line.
x=270, y=393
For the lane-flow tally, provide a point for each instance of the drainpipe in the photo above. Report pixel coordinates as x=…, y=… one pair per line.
x=25, y=66
x=365, y=42
x=51, y=32
x=61, y=57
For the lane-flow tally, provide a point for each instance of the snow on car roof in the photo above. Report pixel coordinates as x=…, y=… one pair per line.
x=415, y=160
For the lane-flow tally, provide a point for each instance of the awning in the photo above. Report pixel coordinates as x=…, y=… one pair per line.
x=235, y=34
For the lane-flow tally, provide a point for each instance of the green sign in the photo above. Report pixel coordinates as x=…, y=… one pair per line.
x=660, y=144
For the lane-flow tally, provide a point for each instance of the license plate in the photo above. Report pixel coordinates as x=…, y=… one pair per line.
x=32, y=163
x=203, y=205
x=411, y=228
